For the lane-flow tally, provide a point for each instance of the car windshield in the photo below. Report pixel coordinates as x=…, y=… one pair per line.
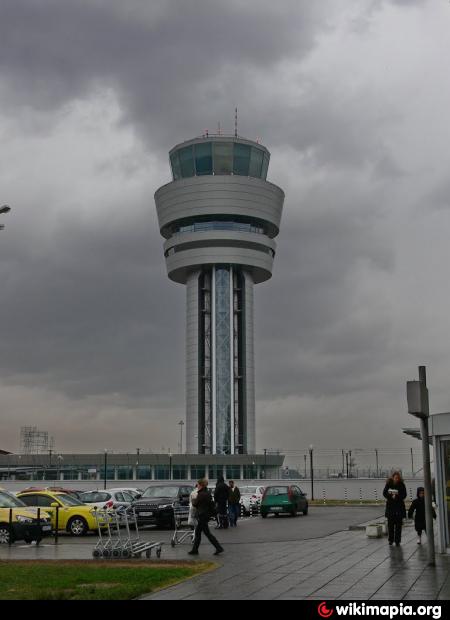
x=69, y=500
x=277, y=491
x=171, y=492
x=10, y=501
x=249, y=490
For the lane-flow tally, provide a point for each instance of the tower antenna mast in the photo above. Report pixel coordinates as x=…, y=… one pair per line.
x=235, y=123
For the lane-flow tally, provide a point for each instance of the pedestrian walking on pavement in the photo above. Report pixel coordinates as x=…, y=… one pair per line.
x=418, y=507
x=234, y=503
x=395, y=494
x=204, y=505
x=221, y=498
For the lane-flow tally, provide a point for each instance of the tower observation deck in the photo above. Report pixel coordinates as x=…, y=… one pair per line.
x=219, y=217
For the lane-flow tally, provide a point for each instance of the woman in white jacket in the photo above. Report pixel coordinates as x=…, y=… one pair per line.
x=192, y=518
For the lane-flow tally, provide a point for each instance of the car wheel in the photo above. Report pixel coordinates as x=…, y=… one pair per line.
x=305, y=512
x=28, y=540
x=264, y=515
x=294, y=513
x=77, y=526
x=4, y=534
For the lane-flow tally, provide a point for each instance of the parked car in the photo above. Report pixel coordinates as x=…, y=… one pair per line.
x=74, y=516
x=251, y=497
x=284, y=499
x=155, y=506
x=134, y=492
x=59, y=489
x=113, y=498
x=25, y=523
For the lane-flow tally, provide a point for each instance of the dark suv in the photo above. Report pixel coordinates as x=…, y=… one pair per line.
x=155, y=505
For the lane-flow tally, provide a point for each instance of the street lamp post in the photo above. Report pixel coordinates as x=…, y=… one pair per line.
x=376, y=458
x=4, y=209
x=181, y=424
x=311, y=450
x=60, y=458
x=105, y=468
x=170, y=466
x=265, y=463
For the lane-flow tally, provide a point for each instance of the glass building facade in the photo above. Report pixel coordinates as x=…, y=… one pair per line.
x=222, y=353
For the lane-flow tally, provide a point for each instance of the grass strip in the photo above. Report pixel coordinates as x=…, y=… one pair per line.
x=89, y=580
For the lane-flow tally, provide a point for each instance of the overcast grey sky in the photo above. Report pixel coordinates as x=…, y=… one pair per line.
x=351, y=97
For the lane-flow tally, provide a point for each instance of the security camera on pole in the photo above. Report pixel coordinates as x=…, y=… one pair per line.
x=418, y=405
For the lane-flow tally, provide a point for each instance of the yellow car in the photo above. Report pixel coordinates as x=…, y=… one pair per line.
x=73, y=516
x=18, y=522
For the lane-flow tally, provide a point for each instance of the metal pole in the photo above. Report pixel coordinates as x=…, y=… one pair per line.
x=427, y=477
x=305, y=466
x=346, y=462
x=376, y=457
x=312, y=472
x=265, y=463
x=105, y=469
x=412, y=463
x=343, y=465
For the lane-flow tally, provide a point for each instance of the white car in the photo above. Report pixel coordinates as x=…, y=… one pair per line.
x=131, y=490
x=251, y=497
x=103, y=500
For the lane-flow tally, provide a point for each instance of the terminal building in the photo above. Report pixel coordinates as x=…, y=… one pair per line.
x=87, y=470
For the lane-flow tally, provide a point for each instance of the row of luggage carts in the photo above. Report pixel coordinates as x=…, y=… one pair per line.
x=118, y=536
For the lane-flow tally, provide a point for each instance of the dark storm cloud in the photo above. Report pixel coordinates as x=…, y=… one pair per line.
x=82, y=315
x=163, y=58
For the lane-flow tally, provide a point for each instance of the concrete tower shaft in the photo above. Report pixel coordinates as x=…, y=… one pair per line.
x=219, y=217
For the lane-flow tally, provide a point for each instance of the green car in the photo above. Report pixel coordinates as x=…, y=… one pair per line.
x=283, y=499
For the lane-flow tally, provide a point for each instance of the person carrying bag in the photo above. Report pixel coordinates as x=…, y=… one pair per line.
x=395, y=494
x=204, y=505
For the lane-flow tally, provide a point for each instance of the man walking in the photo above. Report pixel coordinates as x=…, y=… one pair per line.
x=234, y=503
x=204, y=505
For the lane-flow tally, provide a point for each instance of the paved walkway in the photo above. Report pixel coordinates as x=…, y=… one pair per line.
x=345, y=565
x=314, y=557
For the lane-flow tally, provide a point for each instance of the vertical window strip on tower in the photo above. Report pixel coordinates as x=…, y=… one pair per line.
x=223, y=345
x=205, y=422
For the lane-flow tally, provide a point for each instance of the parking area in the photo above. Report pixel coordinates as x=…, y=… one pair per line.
x=320, y=522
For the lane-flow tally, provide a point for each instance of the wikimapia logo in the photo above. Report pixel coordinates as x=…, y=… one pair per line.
x=388, y=611
x=324, y=612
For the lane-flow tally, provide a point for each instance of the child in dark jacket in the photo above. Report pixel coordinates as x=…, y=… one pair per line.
x=418, y=507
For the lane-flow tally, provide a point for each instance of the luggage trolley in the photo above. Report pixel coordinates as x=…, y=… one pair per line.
x=137, y=546
x=182, y=530
x=106, y=541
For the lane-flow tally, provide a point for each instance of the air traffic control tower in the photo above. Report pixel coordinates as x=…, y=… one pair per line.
x=219, y=217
